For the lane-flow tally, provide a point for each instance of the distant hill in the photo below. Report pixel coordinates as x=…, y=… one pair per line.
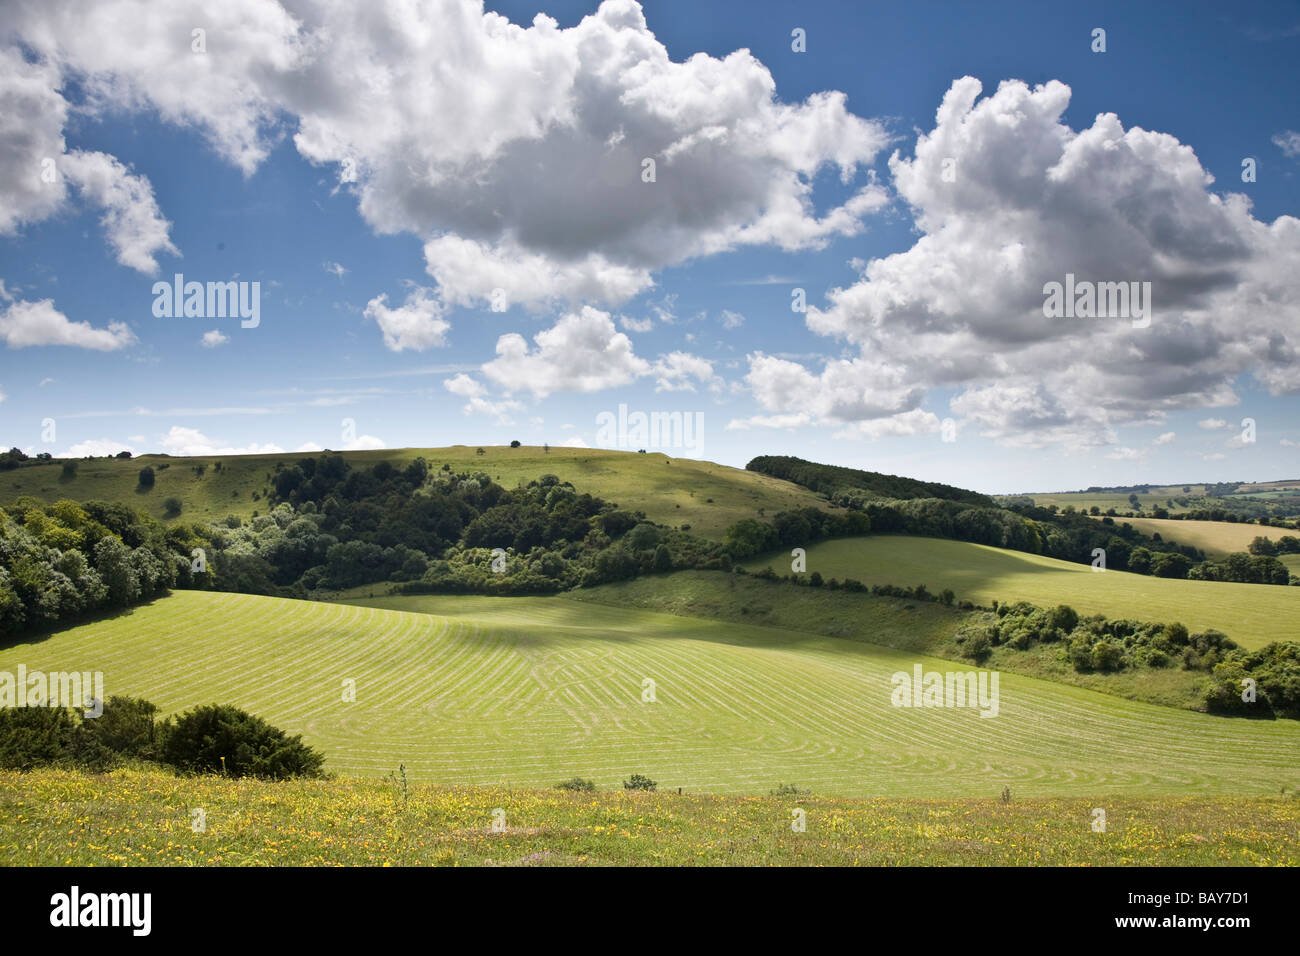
x=827, y=479
x=674, y=491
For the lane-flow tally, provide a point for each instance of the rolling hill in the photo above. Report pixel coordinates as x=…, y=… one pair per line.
x=530, y=691
x=1215, y=538
x=1251, y=614
x=673, y=491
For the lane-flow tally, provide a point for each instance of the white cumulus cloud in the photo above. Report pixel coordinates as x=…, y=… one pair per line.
x=25, y=324
x=417, y=323
x=582, y=352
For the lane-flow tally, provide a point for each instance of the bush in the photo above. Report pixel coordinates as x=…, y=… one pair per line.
x=34, y=736
x=578, y=784
x=125, y=730
x=198, y=740
x=146, y=477
x=1107, y=656
x=639, y=782
x=172, y=507
x=514, y=444
x=37, y=736
x=69, y=470
x=977, y=646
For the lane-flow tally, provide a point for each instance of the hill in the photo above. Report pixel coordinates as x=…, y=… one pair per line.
x=531, y=691
x=133, y=818
x=1251, y=614
x=672, y=491
x=830, y=479
x=1215, y=538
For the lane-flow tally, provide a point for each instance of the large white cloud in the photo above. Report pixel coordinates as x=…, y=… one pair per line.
x=24, y=324
x=516, y=154
x=845, y=392
x=32, y=115
x=1007, y=198
x=36, y=168
x=582, y=352
x=135, y=225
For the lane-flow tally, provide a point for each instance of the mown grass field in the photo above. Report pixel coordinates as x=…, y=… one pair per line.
x=1215, y=538
x=922, y=627
x=134, y=818
x=672, y=491
x=1251, y=614
x=526, y=692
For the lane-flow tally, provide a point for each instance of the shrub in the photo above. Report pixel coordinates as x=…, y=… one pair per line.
x=69, y=470
x=1107, y=656
x=146, y=477
x=977, y=646
x=172, y=507
x=639, y=782
x=125, y=729
x=578, y=784
x=33, y=736
x=36, y=736
x=514, y=444
x=197, y=741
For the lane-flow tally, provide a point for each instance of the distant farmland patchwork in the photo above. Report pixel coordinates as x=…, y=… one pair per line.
x=531, y=691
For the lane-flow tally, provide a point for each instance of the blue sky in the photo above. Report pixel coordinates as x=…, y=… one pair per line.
x=380, y=209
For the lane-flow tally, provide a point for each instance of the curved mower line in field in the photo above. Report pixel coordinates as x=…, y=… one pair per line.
x=1251, y=614
x=535, y=690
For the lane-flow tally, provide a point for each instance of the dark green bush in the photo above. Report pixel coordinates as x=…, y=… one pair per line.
x=219, y=738
x=35, y=736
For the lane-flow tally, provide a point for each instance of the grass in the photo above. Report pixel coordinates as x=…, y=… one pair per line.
x=919, y=626
x=1252, y=614
x=138, y=818
x=1158, y=497
x=672, y=491
x=1215, y=538
x=526, y=692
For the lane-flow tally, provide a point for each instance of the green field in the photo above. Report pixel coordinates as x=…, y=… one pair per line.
x=1215, y=538
x=1251, y=614
x=530, y=691
x=671, y=491
x=1158, y=497
x=59, y=818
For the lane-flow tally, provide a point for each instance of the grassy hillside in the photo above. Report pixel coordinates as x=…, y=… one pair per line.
x=1215, y=538
x=922, y=627
x=1252, y=614
x=56, y=818
x=1158, y=497
x=672, y=491
x=531, y=691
